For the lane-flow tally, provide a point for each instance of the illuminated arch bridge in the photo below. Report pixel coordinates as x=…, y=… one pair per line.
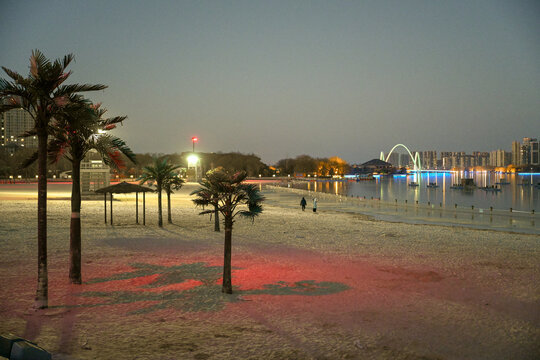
x=415, y=158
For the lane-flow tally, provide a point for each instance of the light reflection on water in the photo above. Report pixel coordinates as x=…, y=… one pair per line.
x=520, y=194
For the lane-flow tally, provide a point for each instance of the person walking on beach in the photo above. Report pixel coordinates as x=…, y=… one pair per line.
x=315, y=205
x=303, y=203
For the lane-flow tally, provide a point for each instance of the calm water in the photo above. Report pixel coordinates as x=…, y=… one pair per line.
x=514, y=195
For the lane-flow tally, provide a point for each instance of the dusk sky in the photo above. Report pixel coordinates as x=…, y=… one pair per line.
x=285, y=78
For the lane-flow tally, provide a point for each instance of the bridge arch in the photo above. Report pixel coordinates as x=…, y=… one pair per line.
x=415, y=158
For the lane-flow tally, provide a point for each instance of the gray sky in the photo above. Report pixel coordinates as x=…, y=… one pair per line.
x=284, y=78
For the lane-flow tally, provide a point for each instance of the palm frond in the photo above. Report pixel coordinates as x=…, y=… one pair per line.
x=76, y=88
x=29, y=161
x=10, y=90
x=113, y=120
x=38, y=61
x=201, y=202
x=250, y=214
x=63, y=77
x=56, y=149
x=124, y=149
x=115, y=159
x=67, y=60
x=173, y=183
x=28, y=133
x=14, y=75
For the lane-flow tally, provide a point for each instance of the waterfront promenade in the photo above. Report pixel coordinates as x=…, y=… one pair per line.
x=330, y=285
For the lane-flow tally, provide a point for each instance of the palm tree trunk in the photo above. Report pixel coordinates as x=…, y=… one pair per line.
x=169, y=218
x=42, y=293
x=216, y=219
x=75, y=228
x=160, y=216
x=227, y=278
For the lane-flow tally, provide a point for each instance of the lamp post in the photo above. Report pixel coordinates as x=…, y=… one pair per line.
x=193, y=158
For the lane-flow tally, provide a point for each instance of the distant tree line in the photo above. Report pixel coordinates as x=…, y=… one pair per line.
x=250, y=163
x=307, y=165
x=233, y=161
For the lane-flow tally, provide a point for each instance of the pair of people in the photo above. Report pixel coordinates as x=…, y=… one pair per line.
x=303, y=204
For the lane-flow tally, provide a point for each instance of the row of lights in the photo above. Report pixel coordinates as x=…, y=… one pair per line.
x=20, y=176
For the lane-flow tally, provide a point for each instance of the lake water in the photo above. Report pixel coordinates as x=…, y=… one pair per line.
x=514, y=208
x=520, y=194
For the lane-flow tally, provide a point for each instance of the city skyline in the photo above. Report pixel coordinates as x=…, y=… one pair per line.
x=282, y=79
x=15, y=122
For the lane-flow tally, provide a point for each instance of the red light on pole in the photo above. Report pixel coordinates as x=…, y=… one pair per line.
x=194, y=140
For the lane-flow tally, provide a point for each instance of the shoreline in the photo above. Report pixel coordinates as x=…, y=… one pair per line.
x=521, y=222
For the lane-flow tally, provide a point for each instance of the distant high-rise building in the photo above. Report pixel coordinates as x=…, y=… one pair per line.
x=500, y=158
x=405, y=160
x=445, y=154
x=516, y=153
x=530, y=154
x=394, y=159
x=456, y=159
x=481, y=158
x=533, y=150
x=535, y=153
x=493, y=158
x=446, y=160
x=467, y=161
x=507, y=158
x=524, y=155
x=14, y=123
x=428, y=159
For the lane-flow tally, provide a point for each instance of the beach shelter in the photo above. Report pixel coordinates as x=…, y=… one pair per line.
x=125, y=188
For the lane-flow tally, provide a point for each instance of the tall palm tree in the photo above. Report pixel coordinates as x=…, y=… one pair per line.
x=171, y=184
x=159, y=172
x=79, y=128
x=42, y=95
x=225, y=191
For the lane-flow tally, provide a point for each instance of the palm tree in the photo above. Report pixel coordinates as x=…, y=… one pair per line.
x=213, y=192
x=42, y=95
x=225, y=191
x=170, y=184
x=216, y=219
x=159, y=172
x=78, y=129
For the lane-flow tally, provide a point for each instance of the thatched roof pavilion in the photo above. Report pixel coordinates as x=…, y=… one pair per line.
x=125, y=188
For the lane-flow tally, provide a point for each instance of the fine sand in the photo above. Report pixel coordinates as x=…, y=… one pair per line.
x=325, y=285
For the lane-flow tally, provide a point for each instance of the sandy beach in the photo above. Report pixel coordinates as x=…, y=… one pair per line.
x=325, y=285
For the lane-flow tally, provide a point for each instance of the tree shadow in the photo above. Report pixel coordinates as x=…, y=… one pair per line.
x=204, y=297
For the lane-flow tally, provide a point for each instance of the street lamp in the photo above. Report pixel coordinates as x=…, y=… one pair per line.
x=194, y=140
x=192, y=161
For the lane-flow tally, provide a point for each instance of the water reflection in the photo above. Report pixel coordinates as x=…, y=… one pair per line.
x=516, y=191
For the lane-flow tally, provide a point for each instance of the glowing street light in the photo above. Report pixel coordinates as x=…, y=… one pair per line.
x=192, y=162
